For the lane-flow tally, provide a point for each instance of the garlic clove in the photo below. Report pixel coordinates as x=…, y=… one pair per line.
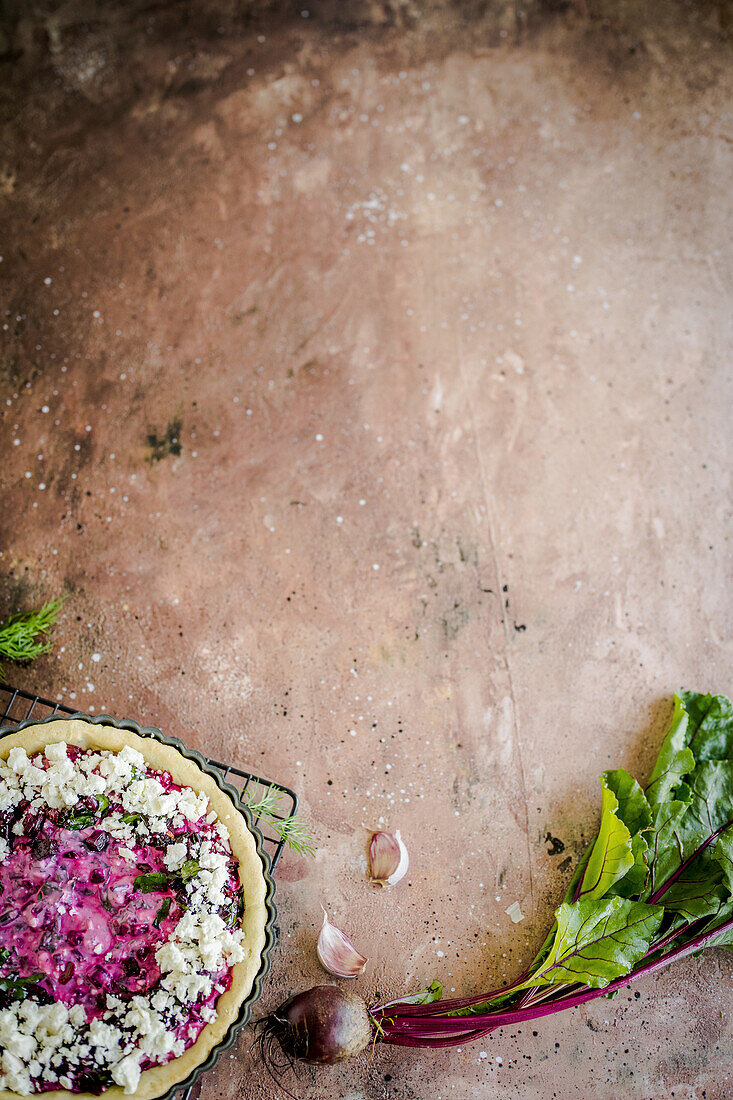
x=388, y=857
x=337, y=953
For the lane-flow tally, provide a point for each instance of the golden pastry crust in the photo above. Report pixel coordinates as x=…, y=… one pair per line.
x=157, y=1080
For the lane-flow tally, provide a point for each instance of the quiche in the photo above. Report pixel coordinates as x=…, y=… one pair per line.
x=133, y=913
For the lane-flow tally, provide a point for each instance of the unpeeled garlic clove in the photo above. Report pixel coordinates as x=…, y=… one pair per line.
x=336, y=951
x=388, y=857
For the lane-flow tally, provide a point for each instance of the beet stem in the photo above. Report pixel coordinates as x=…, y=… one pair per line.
x=415, y=1029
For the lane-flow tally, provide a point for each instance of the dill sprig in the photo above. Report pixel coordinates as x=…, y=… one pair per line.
x=292, y=830
x=22, y=636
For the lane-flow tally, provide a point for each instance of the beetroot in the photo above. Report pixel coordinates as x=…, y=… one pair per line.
x=323, y=1025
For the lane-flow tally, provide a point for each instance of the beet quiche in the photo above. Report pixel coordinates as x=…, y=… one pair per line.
x=133, y=912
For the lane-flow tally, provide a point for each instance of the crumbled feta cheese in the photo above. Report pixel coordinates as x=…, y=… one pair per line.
x=188, y=987
x=116, y=827
x=106, y=1039
x=175, y=856
x=57, y=1015
x=169, y=957
x=95, y=784
x=132, y=757
x=210, y=859
x=192, y=806
x=127, y=1072
x=147, y=796
x=31, y=1014
x=22, y=1046
x=17, y=1078
x=117, y=772
x=162, y=1001
x=203, y=944
x=90, y=762
x=8, y=1027
x=18, y=760
x=155, y=1040
x=33, y=777
x=9, y=796
x=56, y=752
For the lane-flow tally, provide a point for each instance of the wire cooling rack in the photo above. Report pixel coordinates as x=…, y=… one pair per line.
x=17, y=706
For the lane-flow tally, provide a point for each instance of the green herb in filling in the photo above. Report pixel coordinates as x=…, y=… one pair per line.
x=189, y=870
x=155, y=880
x=163, y=912
x=17, y=989
x=82, y=820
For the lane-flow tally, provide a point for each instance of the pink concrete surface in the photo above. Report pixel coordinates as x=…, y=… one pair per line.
x=364, y=386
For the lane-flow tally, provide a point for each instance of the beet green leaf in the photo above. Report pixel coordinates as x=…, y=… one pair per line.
x=633, y=808
x=723, y=852
x=611, y=856
x=634, y=880
x=597, y=941
x=710, y=732
x=675, y=759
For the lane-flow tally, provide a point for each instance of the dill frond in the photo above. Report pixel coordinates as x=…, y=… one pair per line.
x=22, y=636
x=292, y=830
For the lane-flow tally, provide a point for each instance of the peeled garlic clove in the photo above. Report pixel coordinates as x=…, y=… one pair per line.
x=337, y=953
x=388, y=857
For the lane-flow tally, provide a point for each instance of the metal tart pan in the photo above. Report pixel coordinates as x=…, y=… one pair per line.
x=245, y=1010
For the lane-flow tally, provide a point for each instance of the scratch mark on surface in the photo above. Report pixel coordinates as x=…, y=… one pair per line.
x=320, y=325
x=499, y=580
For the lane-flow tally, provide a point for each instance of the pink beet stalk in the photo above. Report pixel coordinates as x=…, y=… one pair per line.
x=414, y=1026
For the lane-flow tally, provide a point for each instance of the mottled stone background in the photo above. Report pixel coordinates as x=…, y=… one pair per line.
x=366, y=385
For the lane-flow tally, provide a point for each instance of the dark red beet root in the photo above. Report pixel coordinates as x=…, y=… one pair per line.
x=323, y=1025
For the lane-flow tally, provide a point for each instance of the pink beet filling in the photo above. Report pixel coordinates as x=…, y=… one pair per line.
x=69, y=911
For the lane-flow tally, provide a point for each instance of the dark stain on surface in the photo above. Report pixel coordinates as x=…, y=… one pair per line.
x=238, y=317
x=10, y=371
x=454, y=619
x=167, y=444
x=17, y=593
x=467, y=554
x=556, y=845
x=465, y=784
